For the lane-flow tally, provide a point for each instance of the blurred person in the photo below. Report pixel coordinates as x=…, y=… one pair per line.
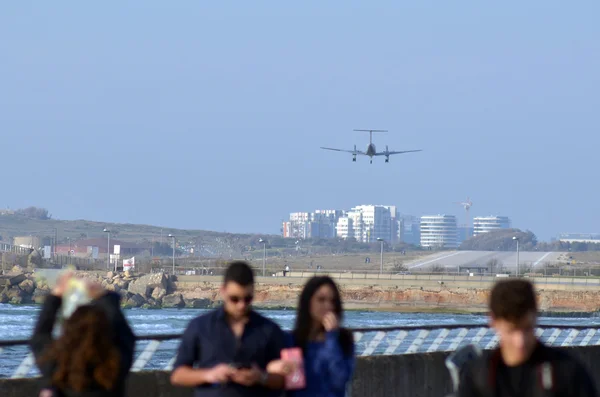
x=225, y=352
x=94, y=353
x=328, y=349
x=522, y=365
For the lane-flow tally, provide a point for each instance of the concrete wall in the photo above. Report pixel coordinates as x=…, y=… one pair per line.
x=409, y=280
x=415, y=375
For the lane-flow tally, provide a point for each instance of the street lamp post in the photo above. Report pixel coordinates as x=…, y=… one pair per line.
x=518, y=264
x=107, y=249
x=381, y=256
x=264, y=243
x=173, y=237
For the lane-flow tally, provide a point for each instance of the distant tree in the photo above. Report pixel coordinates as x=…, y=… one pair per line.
x=164, y=249
x=501, y=240
x=34, y=213
x=438, y=269
x=399, y=266
x=492, y=265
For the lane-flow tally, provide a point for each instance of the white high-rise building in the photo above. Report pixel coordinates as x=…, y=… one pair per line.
x=318, y=224
x=370, y=222
x=486, y=224
x=344, y=228
x=438, y=231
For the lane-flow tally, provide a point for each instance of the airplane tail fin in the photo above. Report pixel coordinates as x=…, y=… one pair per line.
x=386, y=148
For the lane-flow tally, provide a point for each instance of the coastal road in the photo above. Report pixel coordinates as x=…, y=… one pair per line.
x=534, y=260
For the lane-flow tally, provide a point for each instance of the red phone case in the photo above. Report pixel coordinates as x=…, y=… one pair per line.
x=296, y=380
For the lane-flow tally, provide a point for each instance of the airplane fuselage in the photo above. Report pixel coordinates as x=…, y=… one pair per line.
x=371, y=150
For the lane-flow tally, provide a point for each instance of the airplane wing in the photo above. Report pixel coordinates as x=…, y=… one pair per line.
x=400, y=152
x=346, y=151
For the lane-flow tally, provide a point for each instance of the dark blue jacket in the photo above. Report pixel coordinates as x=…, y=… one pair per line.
x=327, y=369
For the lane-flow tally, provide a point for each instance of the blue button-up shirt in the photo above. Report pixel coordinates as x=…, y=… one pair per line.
x=209, y=340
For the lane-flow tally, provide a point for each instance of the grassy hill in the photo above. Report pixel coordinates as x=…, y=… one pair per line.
x=205, y=243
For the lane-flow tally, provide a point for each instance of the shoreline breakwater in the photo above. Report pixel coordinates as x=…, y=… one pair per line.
x=160, y=290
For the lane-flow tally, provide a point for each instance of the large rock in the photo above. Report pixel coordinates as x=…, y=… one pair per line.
x=17, y=296
x=112, y=287
x=151, y=304
x=135, y=300
x=27, y=286
x=119, y=282
x=14, y=292
x=158, y=293
x=17, y=270
x=198, y=303
x=16, y=279
x=173, y=300
x=4, y=298
x=39, y=295
x=146, y=284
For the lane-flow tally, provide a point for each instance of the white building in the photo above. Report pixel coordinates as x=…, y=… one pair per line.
x=486, y=224
x=589, y=238
x=369, y=222
x=318, y=224
x=344, y=228
x=438, y=231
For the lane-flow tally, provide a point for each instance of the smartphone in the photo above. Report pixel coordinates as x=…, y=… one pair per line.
x=296, y=380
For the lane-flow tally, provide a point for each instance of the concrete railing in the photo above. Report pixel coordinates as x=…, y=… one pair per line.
x=415, y=375
x=157, y=352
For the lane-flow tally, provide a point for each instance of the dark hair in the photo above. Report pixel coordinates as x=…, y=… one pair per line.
x=512, y=300
x=240, y=273
x=85, y=352
x=303, y=324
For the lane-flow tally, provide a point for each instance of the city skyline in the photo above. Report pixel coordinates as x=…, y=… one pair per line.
x=369, y=223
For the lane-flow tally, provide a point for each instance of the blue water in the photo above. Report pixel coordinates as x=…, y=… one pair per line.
x=17, y=322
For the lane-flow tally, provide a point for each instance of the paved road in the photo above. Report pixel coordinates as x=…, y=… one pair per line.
x=473, y=258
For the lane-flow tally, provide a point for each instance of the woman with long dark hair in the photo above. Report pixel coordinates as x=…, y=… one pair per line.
x=328, y=348
x=94, y=353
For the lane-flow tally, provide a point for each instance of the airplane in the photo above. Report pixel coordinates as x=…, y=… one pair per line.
x=371, y=150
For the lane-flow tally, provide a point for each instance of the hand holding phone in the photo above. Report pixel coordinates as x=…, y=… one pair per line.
x=296, y=378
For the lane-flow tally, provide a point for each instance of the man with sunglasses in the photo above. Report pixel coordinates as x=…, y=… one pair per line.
x=225, y=352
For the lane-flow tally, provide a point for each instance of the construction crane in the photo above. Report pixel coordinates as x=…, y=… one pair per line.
x=467, y=206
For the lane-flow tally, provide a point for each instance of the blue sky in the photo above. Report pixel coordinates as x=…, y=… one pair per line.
x=198, y=115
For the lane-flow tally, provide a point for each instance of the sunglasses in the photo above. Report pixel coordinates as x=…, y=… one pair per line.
x=236, y=299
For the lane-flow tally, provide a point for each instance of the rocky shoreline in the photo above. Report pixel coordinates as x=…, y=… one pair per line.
x=159, y=290
x=152, y=291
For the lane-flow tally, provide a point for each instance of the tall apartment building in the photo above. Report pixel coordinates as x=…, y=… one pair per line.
x=368, y=223
x=486, y=224
x=365, y=223
x=317, y=224
x=410, y=229
x=439, y=231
